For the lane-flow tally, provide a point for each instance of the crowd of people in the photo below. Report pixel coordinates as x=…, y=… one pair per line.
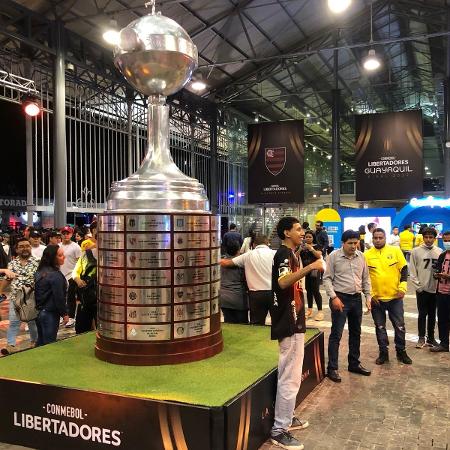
x=61, y=268
x=370, y=263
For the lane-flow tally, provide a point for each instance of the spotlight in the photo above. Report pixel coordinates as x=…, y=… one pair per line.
x=111, y=35
x=371, y=62
x=338, y=6
x=31, y=107
x=198, y=84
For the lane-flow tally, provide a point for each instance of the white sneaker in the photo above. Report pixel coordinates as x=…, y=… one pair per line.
x=70, y=323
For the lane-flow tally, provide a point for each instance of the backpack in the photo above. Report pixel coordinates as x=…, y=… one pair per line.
x=25, y=304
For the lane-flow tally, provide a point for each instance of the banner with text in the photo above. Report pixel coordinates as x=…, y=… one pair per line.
x=275, y=162
x=389, y=156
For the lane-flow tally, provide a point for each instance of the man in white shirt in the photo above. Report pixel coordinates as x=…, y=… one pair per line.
x=394, y=238
x=72, y=252
x=37, y=248
x=368, y=236
x=257, y=264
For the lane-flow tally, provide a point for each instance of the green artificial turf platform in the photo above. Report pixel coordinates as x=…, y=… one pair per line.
x=247, y=356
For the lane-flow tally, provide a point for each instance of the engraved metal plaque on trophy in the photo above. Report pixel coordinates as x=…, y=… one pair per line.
x=215, y=239
x=193, y=275
x=111, y=294
x=149, y=296
x=110, y=258
x=215, y=223
x=148, y=260
x=148, y=332
x=190, y=258
x=215, y=288
x=191, y=223
x=155, y=277
x=111, y=330
x=111, y=241
x=111, y=223
x=191, y=293
x=215, y=256
x=149, y=314
x=214, y=306
x=148, y=222
x=190, y=311
x=148, y=241
x=111, y=276
x=183, y=330
x=191, y=240
x=114, y=313
x=215, y=273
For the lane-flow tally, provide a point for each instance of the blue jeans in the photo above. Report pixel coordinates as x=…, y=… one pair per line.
x=394, y=309
x=14, y=326
x=353, y=312
x=47, y=326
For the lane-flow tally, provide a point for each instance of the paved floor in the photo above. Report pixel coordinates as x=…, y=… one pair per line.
x=398, y=407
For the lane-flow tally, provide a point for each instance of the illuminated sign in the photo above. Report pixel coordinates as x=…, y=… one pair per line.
x=430, y=201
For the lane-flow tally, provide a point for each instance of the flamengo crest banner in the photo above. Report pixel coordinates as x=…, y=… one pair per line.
x=389, y=156
x=276, y=162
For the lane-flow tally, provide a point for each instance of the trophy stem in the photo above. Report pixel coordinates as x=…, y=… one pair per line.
x=158, y=158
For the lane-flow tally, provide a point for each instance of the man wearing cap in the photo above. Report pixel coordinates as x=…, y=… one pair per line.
x=37, y=248
x=72, y=252
x=54, y=238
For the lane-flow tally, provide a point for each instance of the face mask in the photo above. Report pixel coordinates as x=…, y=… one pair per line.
x=446, y=245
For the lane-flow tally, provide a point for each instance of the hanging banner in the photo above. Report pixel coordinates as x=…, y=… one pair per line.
x=275, y=162
x=389, y=156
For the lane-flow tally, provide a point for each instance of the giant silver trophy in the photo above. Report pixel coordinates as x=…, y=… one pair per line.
x=158, y=274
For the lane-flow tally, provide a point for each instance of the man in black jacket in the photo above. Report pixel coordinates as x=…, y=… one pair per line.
x=321, y=237
x=442, y=273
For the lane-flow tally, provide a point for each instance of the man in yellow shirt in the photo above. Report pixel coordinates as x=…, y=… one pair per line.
x=388, y=275
x=407, y=241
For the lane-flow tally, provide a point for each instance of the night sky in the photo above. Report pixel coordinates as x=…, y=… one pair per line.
x=12, y=144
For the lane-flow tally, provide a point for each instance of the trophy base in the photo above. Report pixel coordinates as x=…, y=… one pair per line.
x=158, y=353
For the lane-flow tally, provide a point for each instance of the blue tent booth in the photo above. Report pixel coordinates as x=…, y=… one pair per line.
x=429, y=210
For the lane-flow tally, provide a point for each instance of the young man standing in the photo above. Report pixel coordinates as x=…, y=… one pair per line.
x=394, y=238
x=346, y=277
x=37, y=248
x=72, y=252
x=321, y=237
x=421, y=267
x=443, y=295
x=388, y=275
x=407, y=242
x=368, y=236
x=257, y=264
x=24, y=268
x=288, y=326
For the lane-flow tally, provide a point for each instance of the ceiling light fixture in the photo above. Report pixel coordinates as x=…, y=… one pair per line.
x=371, y=61
x=338, y=6
x=111, y=35
x=198, y=84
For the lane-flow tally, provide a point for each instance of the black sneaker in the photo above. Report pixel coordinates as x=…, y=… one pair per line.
x=298, y=424
x=382, y=358
x=438, y=349
x=403, y=357
x=287, y=441
x=432, y=343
